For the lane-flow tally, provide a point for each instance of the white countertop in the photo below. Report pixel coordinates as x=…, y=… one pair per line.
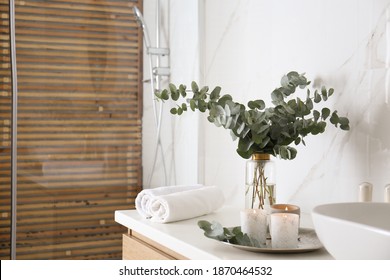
x=187, y=239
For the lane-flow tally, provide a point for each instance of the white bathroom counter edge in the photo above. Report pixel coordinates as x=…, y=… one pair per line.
x=187, y=239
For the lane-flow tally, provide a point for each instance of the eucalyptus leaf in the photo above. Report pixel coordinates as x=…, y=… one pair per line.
x=192, y=104
x=214, y=95
x=182, y=90
x=334, y=119
x=316, y=115
x=212, y=230
x=222, y=101
x=244, y=144
x=277, y=96
x=164, y=95
x=215, y=230
x=324, y=93
x=172, y=88
x=194, y=87
x=288, y=109
x=317, y=97
x=204, y=90
x=325, y=112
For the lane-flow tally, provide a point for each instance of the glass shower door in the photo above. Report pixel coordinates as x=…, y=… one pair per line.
x=79, y=126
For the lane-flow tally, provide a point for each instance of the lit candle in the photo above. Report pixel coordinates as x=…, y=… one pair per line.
x=285, y=208
x=284, y=230
x=254, y=224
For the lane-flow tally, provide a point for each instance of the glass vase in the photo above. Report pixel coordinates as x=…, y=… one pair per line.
x=260, y=182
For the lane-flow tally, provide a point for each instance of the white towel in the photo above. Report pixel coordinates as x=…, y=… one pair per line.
x=186, y=204
x=142, y=201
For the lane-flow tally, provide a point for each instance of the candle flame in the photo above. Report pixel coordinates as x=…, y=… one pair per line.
x=286, y=208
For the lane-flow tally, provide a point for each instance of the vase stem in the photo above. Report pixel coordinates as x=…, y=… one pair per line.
x=259, y=185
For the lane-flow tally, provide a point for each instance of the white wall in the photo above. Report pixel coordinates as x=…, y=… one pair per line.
x=346, y=45
x=245, y=46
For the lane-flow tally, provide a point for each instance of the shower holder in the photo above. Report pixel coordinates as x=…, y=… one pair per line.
x=161, y=71
x=158, y=51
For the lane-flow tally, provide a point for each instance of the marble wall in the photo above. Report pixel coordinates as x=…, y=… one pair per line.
x=245, y=46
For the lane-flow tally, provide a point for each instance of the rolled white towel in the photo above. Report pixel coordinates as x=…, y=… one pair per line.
x=185, y=205
x=142, y=201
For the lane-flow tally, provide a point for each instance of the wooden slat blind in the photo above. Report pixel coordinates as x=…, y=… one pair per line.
x=79, y=126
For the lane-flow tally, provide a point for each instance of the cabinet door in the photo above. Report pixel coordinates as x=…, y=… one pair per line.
x=138, y=247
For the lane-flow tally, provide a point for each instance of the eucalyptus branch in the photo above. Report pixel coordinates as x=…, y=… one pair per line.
x=269, y=130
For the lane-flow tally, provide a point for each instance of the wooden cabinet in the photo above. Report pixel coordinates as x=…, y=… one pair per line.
x=138, y=247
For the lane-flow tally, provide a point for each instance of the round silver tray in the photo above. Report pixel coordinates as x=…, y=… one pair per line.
x=307, y=242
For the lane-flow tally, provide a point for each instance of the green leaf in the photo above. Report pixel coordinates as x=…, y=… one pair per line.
x=244, y=144
x=173, y=111
x=164, y=95
x=293, y=152
x=215, y=230
x=325, y=112
x=214, y=95
x=203, y=91
x=222, y=101
x=309, y=104
x=317, y=97
x=212, y=230
x=175, y=95
x=330, y=92
x=334, y=119
x=316, y=115
x=192, y=104
x=324, y=93
x=284, y=152
x=172, y=88
x=277, y=96
x=174, y=92
x=344, y=123
x=285, y=81
x=234, y=108
x=265, y=142
x=317, y=128
x=252, y=105
x=179, y=111
x=194, y=87
x=202, y=106
x=182, y=90
x=289, y=109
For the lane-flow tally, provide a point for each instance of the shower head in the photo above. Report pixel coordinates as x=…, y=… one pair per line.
x=139, y=17
x=141, y=22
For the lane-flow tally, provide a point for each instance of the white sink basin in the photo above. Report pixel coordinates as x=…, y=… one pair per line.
x=355, y=230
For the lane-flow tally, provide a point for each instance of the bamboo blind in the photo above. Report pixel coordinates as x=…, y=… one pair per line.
x=79, y=126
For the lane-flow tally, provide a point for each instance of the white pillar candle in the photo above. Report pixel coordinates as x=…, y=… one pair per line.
x=284, y=230
x=254, y=224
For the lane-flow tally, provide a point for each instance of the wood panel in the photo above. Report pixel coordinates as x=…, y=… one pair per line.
x=79, y=126
x=138, y=247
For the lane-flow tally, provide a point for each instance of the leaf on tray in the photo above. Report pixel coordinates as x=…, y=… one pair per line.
x=215, y=230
